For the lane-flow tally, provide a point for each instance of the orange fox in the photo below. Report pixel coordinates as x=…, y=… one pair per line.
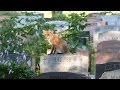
x=59, y=45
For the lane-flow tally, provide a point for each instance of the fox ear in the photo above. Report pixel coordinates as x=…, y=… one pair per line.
x=52, y=32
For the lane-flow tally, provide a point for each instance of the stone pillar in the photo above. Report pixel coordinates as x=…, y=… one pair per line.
x=95, y=39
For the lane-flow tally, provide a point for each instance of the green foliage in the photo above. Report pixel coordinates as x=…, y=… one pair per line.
x=37, y=45
x=11, y=70
x=34, y=45
x=59, y=17
x=9, y=13
x=74, y=31
x=77, y=21
x=9, y=36
x=47, y=26
x=76, y=26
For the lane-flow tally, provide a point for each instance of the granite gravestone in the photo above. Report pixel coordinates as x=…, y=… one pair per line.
x=92, y=23
x=111, y=19
x=74, y=63
x=105, y=33
x=106, y=61
x=109, y=46
x=115, y=74
x=109, y=35
x=17, y=58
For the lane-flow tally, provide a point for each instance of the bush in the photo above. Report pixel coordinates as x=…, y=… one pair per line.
x=11, y=70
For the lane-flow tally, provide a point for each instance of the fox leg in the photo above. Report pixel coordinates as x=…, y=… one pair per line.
x=52, y=50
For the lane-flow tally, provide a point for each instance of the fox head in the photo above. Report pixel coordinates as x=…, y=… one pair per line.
x=48, y=34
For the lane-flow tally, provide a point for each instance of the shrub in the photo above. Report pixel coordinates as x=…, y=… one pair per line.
x=11, y=70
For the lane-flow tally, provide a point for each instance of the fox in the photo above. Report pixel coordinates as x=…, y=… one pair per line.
x=59, y=45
